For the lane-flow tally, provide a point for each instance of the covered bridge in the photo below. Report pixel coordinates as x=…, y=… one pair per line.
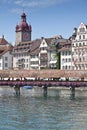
x=51, y=73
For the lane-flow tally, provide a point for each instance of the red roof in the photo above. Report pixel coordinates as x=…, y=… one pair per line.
x=4, y=49
x=3, y=41
x=23, y=25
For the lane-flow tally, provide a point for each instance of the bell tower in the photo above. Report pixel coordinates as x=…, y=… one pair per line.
x=23, y=30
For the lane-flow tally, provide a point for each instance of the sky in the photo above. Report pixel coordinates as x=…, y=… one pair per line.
x=48, y=18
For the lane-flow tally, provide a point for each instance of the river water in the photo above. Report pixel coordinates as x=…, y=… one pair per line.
x=34, y=111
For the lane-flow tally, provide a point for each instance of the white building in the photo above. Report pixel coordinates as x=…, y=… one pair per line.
x=79, y=48
x=6, y=58
x=65, y=55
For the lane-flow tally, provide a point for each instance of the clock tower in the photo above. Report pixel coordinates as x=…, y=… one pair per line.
x=23, y=30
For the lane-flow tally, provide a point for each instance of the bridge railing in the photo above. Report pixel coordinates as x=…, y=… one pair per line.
x=45, y=83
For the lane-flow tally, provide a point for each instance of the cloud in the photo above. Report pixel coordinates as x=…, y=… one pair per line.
x=38, y=3
x=18, y=4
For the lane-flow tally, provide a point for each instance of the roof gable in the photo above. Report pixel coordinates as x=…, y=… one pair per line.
x=3, y=41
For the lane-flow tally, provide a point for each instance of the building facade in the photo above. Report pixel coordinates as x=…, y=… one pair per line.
x=79, y=48
x=33, y=54
x=65, y=54
x=6, y=58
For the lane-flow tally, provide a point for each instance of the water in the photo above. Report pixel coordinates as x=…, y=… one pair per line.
x=32, y=111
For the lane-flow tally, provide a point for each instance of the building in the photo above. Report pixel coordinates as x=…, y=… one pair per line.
x=23, y=30
x=21, y=56
x=6, y=58
x=79, y=48
x=65, y=54
x=36, y=54
x=33, y=54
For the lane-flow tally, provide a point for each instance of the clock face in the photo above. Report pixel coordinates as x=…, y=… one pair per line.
x=25, y=36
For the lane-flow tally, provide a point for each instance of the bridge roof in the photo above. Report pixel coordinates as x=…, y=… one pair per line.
x=43, y=73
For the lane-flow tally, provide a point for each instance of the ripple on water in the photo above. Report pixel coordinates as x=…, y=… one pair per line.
x=32, y=111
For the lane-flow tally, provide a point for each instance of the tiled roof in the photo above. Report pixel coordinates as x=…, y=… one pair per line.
x=48, y=40
x=3, y=41
x=44, y=73
x=65, y=49
x=31, y=46
x=34, y=47
x=4, y=49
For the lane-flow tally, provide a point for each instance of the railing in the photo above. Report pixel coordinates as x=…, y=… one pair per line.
x=41, y=83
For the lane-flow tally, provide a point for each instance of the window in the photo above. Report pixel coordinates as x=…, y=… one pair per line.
x=80, y=59
x=6, y=58
x=76, y=44
x=79, y=44
x=80, y=37
x=66, y=67
x=6, y=64
x=26, y=60
x=83, y=44
x=82, y=29
x=69, y=52
x=83, y=36
x=63, y=53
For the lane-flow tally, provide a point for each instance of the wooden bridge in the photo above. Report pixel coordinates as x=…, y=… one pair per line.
x=51, y=73
x=40, y=83
x=18, y=78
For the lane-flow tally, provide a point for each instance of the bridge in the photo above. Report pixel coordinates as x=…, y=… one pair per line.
x=50, y=73
x=18, y=78
x=40, y=83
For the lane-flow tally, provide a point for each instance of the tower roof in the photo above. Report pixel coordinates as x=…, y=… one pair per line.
x=23, y=25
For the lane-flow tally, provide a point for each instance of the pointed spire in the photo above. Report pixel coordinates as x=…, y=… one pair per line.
x=23, y=17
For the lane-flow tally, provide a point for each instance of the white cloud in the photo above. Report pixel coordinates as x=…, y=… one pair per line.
x=38, y=3
x=32, y=3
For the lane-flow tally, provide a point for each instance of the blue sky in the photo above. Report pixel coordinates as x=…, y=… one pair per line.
x=47, y=17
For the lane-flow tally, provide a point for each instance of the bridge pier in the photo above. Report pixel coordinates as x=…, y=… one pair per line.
x=72, y=88
x=17, y=89
x=44, y=90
